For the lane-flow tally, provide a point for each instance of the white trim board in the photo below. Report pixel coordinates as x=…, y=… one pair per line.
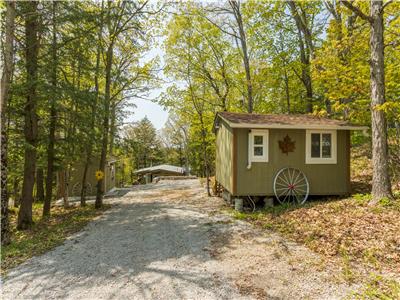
x=265, y=134
x=321, y=161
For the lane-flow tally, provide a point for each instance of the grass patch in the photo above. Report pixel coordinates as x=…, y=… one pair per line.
x=45, y=234
x=378, y=287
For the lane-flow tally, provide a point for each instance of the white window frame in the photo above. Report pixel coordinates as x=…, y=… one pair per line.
x=258, y=132
x=321, y=160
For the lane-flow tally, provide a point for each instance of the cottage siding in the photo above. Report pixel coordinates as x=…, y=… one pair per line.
x=324, y=179
x=224, y=157
x=76, y=174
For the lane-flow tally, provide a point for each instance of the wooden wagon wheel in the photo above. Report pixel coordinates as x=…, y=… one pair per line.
x=291, y=185
x=77, y=188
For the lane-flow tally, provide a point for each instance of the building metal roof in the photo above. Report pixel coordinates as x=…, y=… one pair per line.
x=288, y=121
x=168, y=168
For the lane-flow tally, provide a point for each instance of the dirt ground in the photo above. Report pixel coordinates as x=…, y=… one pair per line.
x=170, y=241
x=263, y=264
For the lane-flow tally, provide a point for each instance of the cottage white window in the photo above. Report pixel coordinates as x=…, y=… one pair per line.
x=258, y=145
x=321, y=147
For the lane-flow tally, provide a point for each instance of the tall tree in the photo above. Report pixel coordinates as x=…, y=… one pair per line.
x=237, y=13
x=306, y=47
x=234, y=26
x=381, y=185
x=106, y=103
x=91, y=129
x=31, y=18
x=6, y=78
x=53, y=116
x=120, y=18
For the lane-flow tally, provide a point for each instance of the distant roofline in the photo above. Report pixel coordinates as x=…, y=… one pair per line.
x=163, y=167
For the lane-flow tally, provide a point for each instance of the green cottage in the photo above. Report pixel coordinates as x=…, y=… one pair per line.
x=286, y=156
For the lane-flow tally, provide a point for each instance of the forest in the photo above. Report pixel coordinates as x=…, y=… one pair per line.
x=71, y=72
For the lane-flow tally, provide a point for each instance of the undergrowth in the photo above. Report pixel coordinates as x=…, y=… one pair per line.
x=45, y=234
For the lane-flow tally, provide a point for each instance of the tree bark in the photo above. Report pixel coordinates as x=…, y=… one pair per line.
x=112, y=129
x=235, y=5
x=304, y=32
x=66, y=187
x=287, y=91
x=6, y=78
x=305, y=75
x=381, y=186
x=106, y=125
x=16, y=195
x=89, y=149
x=39, y=185
x=30, y=127
x=53, y=120
x=205, y=158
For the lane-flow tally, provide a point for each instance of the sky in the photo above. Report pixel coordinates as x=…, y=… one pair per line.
x=157, y=114
x=146, y=108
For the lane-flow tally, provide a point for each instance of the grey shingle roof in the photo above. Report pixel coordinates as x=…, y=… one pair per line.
x=283, y=120
x=168, y=168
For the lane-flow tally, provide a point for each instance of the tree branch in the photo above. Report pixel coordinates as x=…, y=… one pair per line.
x=356, y=10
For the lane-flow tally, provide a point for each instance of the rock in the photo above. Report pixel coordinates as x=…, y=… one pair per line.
x=268, y=202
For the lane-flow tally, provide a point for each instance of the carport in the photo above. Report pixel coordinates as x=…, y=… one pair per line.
x=146, y=175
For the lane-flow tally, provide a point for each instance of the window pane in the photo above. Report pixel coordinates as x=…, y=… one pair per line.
x=315, y=143
x=326, y=145
x=258, y=140
x=258, y=151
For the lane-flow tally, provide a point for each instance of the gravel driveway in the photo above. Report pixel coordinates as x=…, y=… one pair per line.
x=142, y=248
x=169, y=241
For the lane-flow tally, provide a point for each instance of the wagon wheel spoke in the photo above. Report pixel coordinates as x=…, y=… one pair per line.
x=300, y=180
x=282, y=184
x=284, y=178
x=295, y=181
x=283, y=193
x=291, y=185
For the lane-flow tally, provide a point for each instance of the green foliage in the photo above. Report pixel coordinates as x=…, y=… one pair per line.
x=45, y=234
x=200, y=43
x=378, y=287
x=73, y=80
x=362, y=198
x=142, y=143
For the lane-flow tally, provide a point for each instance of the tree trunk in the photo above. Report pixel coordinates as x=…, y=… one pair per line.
x=66, y=189
x=30, y=127
x=205, y=156
x=89, y=149
x=6, y=78
x=16, y=195
x=381, y=186
x=39, y=185
x=53, y=119
x=61, y=183
x=305, y=40
x=243, y=43
x=106, y=125
x=305, y=74
x=112, y=130
x=84, y=178
x=287, y=91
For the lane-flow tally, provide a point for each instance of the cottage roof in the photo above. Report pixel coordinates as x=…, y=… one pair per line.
x=289, y=121
x=167, y=168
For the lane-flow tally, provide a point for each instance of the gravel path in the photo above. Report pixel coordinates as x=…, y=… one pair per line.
x=169, y=241
x=143, y=248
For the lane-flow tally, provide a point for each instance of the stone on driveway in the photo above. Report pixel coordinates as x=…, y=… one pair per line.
x=142, y=248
